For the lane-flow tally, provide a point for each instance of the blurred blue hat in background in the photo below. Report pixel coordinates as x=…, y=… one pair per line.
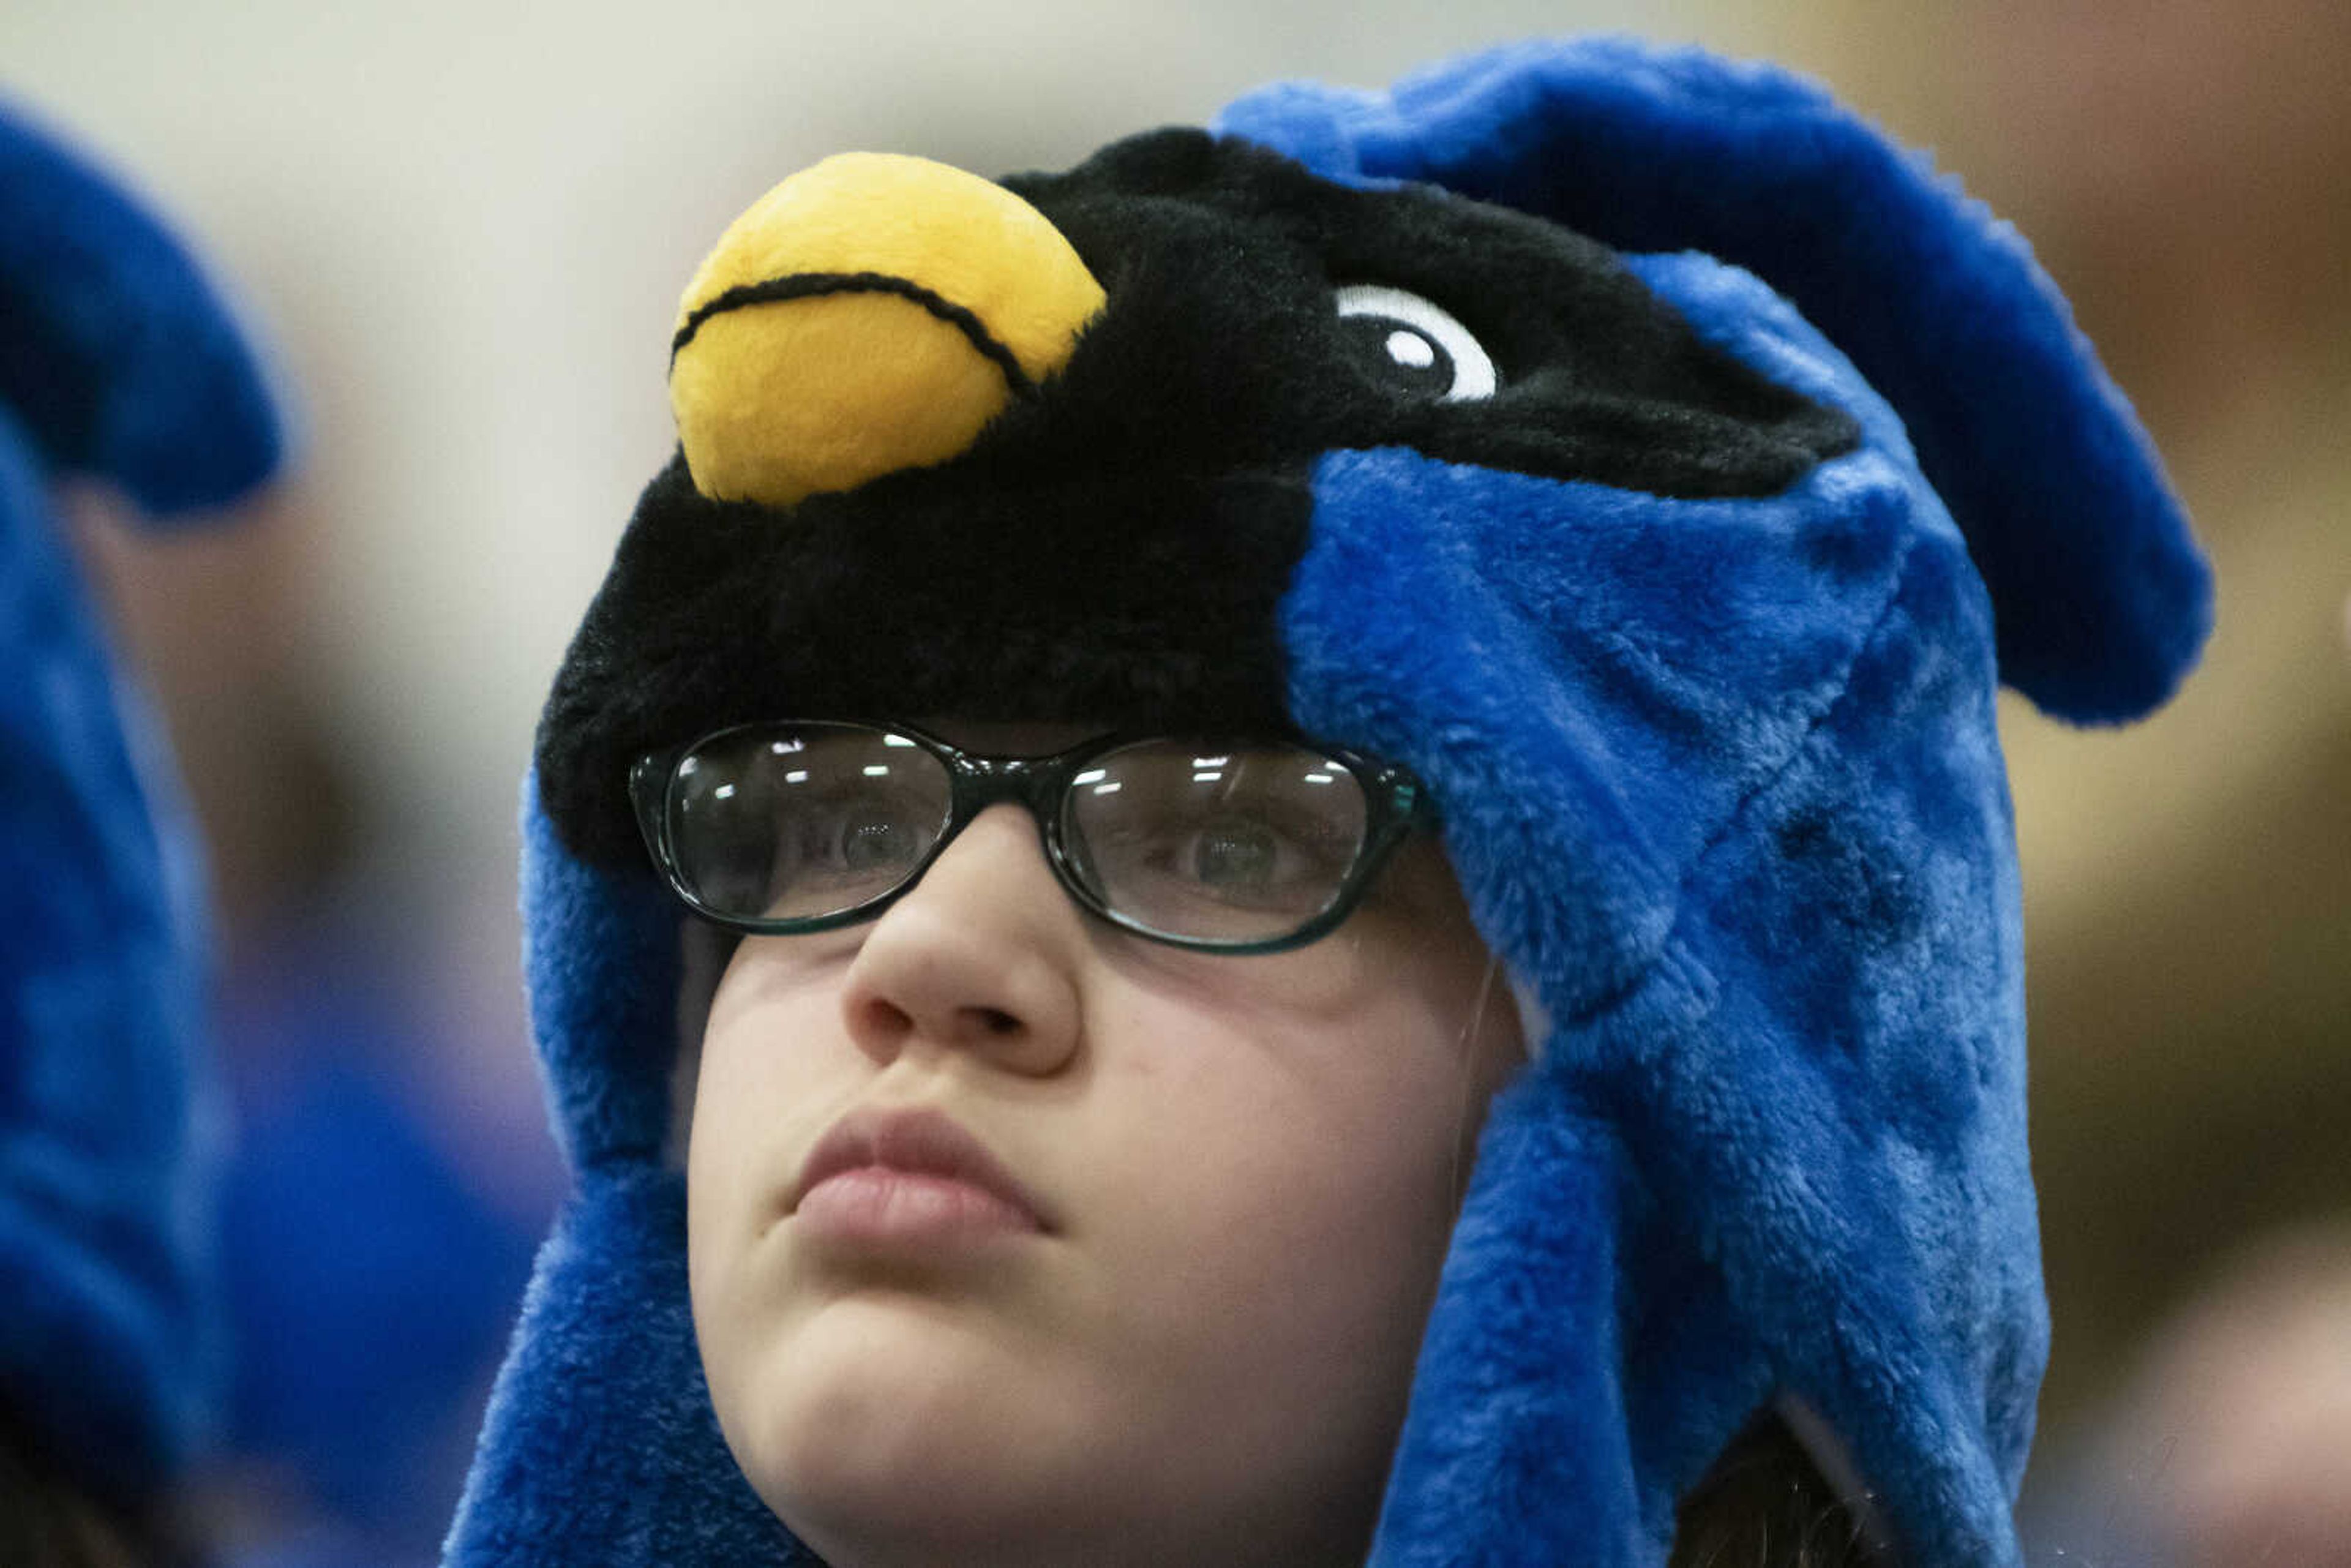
x=118, y=363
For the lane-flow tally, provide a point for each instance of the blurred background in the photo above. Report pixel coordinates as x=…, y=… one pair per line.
x=461, y=230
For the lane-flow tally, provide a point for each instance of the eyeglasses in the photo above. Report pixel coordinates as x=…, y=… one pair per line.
x=1232, y=846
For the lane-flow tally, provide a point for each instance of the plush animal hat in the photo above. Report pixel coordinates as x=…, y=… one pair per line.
x=1666, y=467
x=117, y=363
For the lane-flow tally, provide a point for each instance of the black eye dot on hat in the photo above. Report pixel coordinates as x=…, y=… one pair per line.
x=1412, y=344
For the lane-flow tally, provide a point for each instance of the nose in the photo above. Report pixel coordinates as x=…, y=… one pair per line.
x=981, y=956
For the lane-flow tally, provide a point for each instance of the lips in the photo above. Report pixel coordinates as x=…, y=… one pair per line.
x=914, y=1145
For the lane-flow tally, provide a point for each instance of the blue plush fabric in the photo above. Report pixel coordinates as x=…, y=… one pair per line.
x=118, y=356
x=2104, y=600
x=116, y=362
x=1721, y=783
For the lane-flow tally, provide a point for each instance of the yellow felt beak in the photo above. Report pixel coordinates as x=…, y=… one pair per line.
x=869, y=314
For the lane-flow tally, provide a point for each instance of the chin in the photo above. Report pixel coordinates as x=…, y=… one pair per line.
x=888, y=1425
x=883, y=1491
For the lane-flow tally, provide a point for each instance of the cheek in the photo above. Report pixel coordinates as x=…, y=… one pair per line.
x=760, y=1074
x=1284, y=1201
x=768, y=1082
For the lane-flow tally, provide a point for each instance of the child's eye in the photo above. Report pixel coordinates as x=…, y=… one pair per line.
x=1241, y=860
x=1413, y=343
x=860, y=837
x=877, y=843
x=1239, y=855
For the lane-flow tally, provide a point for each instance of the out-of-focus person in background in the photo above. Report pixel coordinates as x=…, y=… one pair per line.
x=2186, y=172
x=118, y=365
x=2227, y=1446
x=400, y=188
x=314, y=1294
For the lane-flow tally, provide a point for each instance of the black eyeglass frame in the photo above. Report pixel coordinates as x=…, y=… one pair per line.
x=1396, y=804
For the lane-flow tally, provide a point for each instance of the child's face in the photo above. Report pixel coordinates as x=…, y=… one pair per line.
x=1246, y=1171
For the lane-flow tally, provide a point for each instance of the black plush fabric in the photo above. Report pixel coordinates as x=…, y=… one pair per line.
x=1220, y=259
x=1114, y=548
x=1080, y=596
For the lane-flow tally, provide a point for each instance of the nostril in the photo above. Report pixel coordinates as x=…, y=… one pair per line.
x=887, y=1019
x=996, y=1021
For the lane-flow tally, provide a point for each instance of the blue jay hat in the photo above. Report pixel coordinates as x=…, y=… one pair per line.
x=118, y=363
x=1666, y=467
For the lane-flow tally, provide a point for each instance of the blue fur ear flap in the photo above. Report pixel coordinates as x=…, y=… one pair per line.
x=2101, y=597
x=115, y=354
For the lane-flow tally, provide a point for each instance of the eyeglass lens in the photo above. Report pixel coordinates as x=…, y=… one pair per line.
x=801, y=823
x=1233, y=844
